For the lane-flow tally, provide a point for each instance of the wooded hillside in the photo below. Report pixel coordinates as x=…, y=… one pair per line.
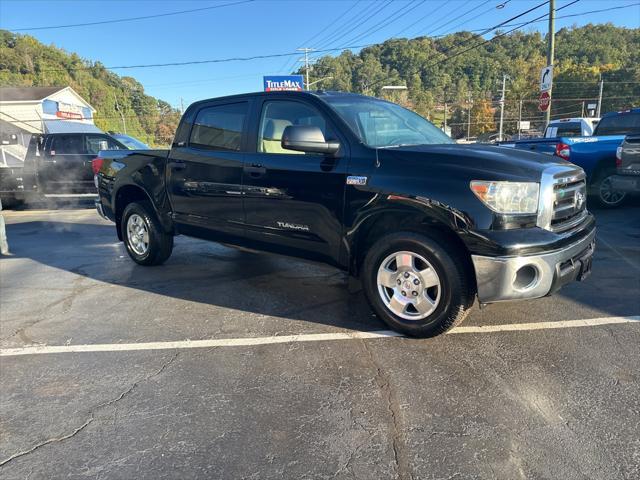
x=435, y=70
x=25, y=62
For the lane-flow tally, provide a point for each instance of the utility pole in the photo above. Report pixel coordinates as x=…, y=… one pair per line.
x=519, y=119
x=119, y=110
x=445, y=115
x=181, y=106
x=306, y=63
x=469, y=122
x=600, y=97
x=550, y=51
x=504, y=86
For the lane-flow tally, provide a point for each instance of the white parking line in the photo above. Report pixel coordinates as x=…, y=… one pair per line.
x=310, y=337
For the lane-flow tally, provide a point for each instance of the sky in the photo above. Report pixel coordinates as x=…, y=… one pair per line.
x=261, y=27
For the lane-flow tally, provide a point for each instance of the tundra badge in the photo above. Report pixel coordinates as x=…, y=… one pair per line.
x=293, y=226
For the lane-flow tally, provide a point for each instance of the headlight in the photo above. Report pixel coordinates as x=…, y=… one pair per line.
x=508, y=197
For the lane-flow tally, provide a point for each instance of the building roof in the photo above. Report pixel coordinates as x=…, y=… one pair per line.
x=27, y=94
x=69, y=126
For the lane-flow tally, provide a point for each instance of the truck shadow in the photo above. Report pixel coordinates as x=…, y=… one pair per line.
x=200, y=271
x=271, y=285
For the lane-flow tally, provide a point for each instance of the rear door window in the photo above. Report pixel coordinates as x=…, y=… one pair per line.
x=67, y=145
x=219, y=127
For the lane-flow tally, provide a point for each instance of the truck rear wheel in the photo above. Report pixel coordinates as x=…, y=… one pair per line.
x=605, y=194
x=146, y=242
x=415, y=285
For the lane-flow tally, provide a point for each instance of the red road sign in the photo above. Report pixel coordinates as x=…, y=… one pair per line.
x=545, y=101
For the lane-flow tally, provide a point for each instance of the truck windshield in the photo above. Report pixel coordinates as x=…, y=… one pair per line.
x=130, y=142
x=620, y=124
x=384, y=124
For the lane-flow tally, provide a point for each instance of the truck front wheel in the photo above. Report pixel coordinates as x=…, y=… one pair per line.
x=146, y=242
x=415, y=285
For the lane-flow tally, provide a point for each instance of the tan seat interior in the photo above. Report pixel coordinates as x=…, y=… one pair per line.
x=272, y=137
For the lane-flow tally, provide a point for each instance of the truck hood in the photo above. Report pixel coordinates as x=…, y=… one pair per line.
x=480, y=162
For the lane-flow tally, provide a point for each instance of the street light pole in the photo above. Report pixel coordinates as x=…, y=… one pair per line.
x=550, y=51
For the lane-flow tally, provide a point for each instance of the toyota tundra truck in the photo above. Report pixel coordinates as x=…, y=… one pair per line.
x=364, y=185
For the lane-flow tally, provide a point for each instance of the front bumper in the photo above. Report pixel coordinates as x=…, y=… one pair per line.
x=532, y=276
x=99, y=209
x=626, y=183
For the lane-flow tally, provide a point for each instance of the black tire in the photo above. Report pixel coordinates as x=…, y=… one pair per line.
x=160, y=243
x=456, y=291
x=604, y=196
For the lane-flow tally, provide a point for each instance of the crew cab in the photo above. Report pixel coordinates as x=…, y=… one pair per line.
x=595, y=154
x=58, y=164
x=364, y=185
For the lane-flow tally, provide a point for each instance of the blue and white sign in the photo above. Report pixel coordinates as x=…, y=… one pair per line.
x=546, y=78
x=282, y=83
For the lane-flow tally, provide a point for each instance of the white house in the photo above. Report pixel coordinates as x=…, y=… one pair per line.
x=25, y=111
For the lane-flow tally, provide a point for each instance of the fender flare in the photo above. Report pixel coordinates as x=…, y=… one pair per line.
x=430, y=215
x=163, y=217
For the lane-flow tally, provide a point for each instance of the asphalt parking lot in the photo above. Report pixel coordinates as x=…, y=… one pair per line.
x=273, y=371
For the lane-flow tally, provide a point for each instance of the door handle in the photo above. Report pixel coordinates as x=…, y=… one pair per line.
x=177, y=165
x=255, y=170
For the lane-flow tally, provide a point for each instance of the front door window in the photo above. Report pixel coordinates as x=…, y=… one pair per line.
x=278, y=115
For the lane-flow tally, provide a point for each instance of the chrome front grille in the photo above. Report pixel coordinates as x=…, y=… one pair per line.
x=563, y=198
x=569, y=204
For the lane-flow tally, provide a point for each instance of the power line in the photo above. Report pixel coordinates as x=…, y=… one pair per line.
x=478, y=44
x=359, y=24
x=131, y=19
x=475, y=7
x=433, y=28
x=490, y=9
x=422, y=18
x=503, y=23
x=286, y=64
x=595, y=83
x=117, y=117
x=339, y=27
x=398, y=15
x=361, y=18
x=326, y=50
x=579, y=14
x=499, y=35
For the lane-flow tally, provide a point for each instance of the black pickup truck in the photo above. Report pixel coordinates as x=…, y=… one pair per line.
x=364, y=185
x=58, y=164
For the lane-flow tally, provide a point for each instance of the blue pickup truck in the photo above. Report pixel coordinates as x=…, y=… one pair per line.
x=595, y=154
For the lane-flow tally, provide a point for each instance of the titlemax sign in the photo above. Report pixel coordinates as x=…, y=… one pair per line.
x=283, y=83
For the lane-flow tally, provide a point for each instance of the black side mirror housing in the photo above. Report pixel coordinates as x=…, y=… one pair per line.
x=307, y=138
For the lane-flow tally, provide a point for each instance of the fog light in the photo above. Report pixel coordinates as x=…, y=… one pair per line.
x=526, y=277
